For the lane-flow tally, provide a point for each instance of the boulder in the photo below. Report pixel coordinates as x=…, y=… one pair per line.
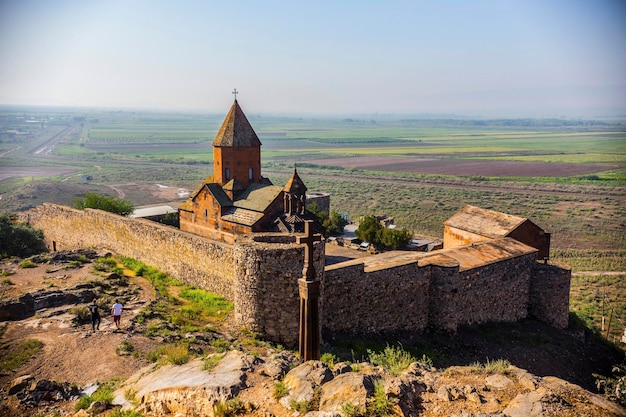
x=526, y=405
x=302, y=380
x=346, y=388
x=278, y=365
x=187, y=389
x=20, y=383
x=498, y=381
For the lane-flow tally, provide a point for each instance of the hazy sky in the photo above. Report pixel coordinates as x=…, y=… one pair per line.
x=492, y=57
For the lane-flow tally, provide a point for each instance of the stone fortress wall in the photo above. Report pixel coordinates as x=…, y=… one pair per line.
x=259, y=273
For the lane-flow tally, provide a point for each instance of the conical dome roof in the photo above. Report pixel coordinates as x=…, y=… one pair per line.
x=236, y=131
x=295, y=185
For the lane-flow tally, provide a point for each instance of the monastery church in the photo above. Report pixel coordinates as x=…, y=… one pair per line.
x=237, y=199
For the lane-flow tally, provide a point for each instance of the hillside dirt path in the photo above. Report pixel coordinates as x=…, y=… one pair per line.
x=94, y=355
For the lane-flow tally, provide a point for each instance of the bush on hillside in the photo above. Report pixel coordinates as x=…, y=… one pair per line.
x=19, y=239
x=104, y=202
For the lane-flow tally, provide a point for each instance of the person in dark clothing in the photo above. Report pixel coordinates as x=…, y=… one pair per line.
x=95, y=316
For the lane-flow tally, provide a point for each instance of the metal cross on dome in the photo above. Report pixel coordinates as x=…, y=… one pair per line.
x=235, y=92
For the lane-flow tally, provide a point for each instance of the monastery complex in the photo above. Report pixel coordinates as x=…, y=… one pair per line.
x=237, y=238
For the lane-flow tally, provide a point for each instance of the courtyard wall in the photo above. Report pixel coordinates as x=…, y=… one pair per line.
x=191, y=259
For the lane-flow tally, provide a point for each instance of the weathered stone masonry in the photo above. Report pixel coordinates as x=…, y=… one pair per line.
x=186, y=257
x=498, y=280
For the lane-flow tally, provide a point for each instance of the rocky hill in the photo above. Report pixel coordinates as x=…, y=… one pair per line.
x=228, y=372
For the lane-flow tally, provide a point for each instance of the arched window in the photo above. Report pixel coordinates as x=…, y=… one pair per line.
x=250, y=173
x=227, y=173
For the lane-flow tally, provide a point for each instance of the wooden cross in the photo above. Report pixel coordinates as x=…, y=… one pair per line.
x=235, y=93
x=308, y=272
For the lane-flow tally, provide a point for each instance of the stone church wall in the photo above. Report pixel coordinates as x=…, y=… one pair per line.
x=189, y=258
x=267, y=269
x=386, y=300
x=495, y=292
x=549, y=294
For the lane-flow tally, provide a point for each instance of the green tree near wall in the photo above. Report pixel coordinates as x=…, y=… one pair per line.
x=333, y=224
x=19, y=239
x=104, y=202
x=370, y=230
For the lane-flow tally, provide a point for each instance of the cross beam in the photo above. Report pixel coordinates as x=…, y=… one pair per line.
x=308, y=272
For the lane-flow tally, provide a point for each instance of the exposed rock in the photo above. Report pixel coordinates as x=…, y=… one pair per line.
x=97, y=407
x=341, y=368
x=28, y=304
x=443, y=393
x=407, y=389
x=302, y=379
x=498, y=381
x=32, y=392
x=187, y=389
x=346, y=388
x=278, y=365
x=526, y=405
x=20, y=383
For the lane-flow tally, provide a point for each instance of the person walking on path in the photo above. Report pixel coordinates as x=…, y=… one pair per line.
x=117, y=313
x=95, y=316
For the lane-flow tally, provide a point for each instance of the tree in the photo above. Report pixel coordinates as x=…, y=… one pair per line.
x=104, y=202
x=333, y=224
x=394, y=238
x=370, y=230
x=19, y=239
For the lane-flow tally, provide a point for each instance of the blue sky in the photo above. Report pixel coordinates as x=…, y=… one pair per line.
x=488, y=58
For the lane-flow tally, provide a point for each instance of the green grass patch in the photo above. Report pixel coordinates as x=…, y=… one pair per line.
x=13, y=359
x=207, y=302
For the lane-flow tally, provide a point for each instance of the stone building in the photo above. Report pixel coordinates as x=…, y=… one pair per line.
x=237, y=199
x=474, y=224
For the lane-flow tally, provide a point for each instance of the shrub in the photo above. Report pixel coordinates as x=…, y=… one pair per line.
x=498, y=366
x=125, y=348
x=425, y=361
x=19, y=239
x=329, y=359
x=280, y=390
x=177, y=354
x=81, y=315
x=350, y=410
x=379, y=405
x=229, y=408
x=393, y=359
x=118, y=412
x=7, y=281
x=103, y=202
x=28, y=264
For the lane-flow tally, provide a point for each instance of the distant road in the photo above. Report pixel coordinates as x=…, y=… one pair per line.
x=8, y=172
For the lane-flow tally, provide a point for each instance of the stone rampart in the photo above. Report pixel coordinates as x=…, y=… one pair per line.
x=267, y=269
x=494, y=292
x=549, y=294
x=403, y=292
x=191, y=259
x=386, y=300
